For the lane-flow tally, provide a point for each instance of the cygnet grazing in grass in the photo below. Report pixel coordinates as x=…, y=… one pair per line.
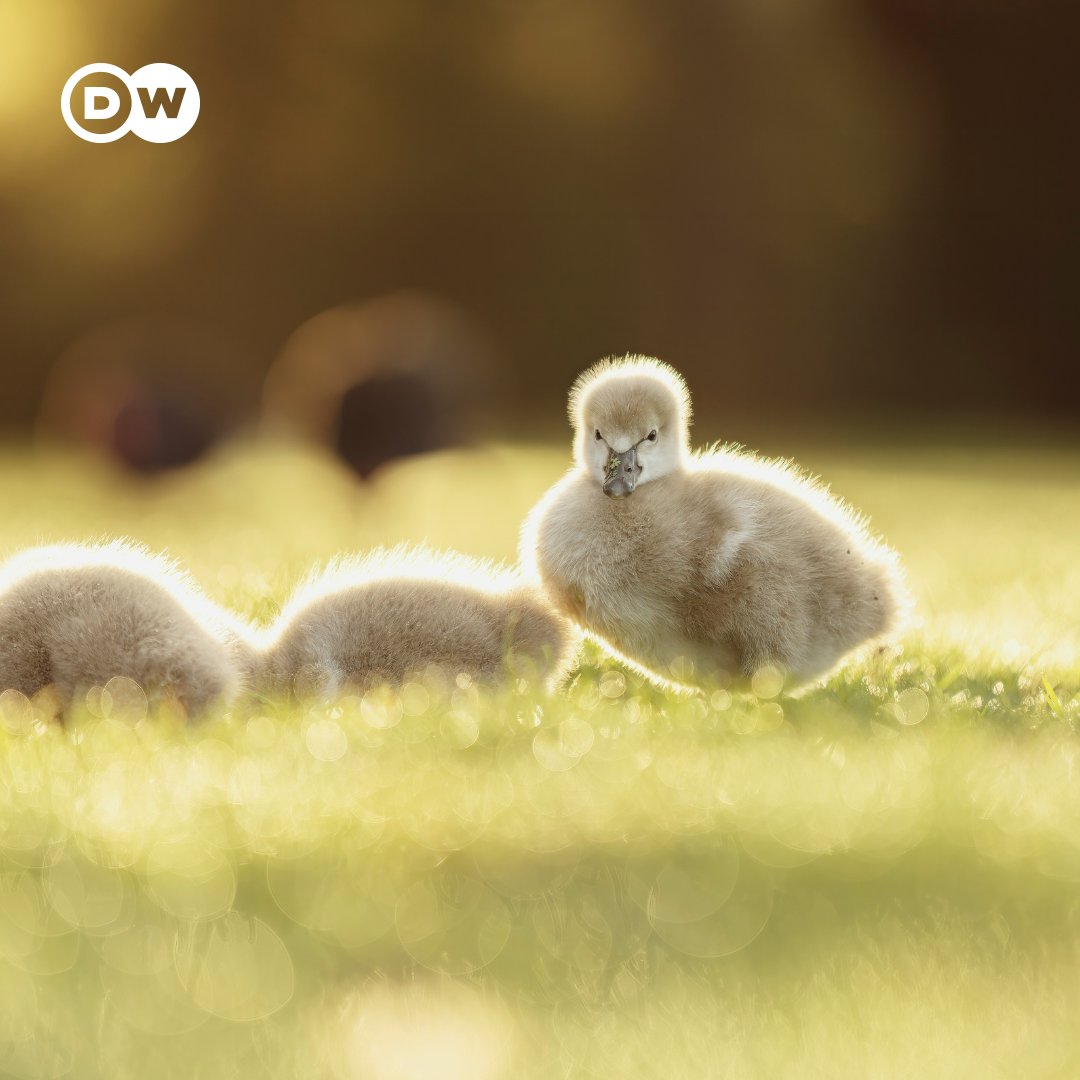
x=73, y=617
x=717, y=557
x=364, y=622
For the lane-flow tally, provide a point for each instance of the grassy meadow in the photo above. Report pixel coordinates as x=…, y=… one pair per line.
x=878, y=877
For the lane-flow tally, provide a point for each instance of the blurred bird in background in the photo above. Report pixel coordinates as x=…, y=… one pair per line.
x=143, y=393
x=372, y=382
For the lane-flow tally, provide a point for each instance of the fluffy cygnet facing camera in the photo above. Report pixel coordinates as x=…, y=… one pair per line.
x=716, y=561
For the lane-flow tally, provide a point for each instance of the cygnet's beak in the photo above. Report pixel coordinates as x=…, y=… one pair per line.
x=621, y=476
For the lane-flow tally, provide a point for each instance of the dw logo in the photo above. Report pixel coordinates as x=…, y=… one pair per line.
x=102, y=103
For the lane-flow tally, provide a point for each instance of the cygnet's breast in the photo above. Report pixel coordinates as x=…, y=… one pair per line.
x=619, y=566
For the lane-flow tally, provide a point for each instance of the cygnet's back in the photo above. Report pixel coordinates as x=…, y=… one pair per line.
x=74, y=617
x=394, y=614
x=807, y=582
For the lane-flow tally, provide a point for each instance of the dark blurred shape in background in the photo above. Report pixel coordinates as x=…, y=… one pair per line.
x=157, y=429
x=385, y=417
x=399, y=375
x=840, y=208
x=151, y=394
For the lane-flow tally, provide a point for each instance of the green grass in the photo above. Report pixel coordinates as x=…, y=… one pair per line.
x=877, y=878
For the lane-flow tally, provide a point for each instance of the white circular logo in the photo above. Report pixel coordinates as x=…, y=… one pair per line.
x=102, y=103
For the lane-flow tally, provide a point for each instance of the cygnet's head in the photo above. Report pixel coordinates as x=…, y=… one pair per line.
x=631, y=419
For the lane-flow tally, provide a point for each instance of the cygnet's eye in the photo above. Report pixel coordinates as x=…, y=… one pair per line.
x=598, y=435
x=652, y=435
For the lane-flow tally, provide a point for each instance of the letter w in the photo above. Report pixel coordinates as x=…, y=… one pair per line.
x=162, y=100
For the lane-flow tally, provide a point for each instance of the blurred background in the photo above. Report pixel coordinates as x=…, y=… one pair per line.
x=404, y=225
x=431, y=216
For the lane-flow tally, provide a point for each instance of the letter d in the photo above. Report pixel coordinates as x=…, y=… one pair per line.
x=92, y=95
